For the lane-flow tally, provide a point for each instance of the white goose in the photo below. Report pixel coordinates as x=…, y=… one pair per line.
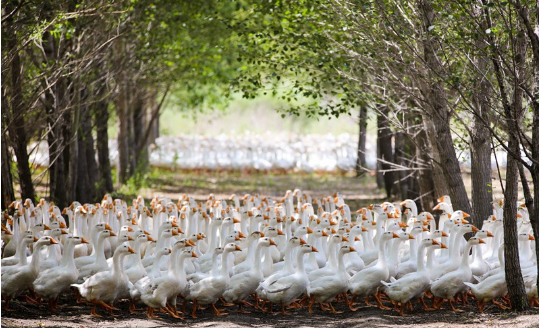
x=452, y=283
x=325, y=288
x=287, y=288
x=244, y=284
x=413, y=284
x=15, y=283
x=50, y=283
x=103, y=287
x=208, y=290
x=367, y=281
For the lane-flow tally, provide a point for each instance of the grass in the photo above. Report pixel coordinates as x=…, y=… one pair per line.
x=199, y=184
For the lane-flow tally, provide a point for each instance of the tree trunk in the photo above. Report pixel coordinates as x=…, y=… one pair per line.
x=437, y=100
x=101, y=122
x=123, y=135
x=17, y=128
x=72, y=173
x=91, y=164
x=140, y=157
x=425, y=174
x=8, y=194
x=386, y=150
x=513, y=273
x=362, y=141
x=480, y=137
x=513, y=116
x=440, y=187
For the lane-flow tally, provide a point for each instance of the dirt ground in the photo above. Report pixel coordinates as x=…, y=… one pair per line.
x=77, y=316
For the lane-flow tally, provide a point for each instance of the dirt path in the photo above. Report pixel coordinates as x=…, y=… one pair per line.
x=77, y=315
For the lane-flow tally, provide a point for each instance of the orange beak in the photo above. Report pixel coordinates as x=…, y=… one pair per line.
x=302, y=241
x=133, y=252
x=309, y=230
x=352, y=249
x=193, y=254
x=489, y=234
x=272, y=242
x=481, y=241
x=238, y=248
x=314, y=249
x=53, y=241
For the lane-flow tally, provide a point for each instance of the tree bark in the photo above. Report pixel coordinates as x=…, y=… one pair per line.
x=386, y=149
x=101, y=117
x=8, y=194
x=123, y=135
x=513, y=116
x=17, y=128
x=72, y=173
x=480, y=136
x=439, y=112
x=362, y=141
x=91, y=164
x=425, y=174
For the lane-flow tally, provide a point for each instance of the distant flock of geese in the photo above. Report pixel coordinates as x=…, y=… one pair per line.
x=256, y=252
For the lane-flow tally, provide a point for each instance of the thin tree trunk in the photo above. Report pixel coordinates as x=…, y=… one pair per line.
x=362, y=141
x=123, y=136
x=72, y=173
x=440, y=187
x=91, y=164
x=480, y=136
x=437, y=99
x=101, y=117
x=8, y=194
x=82, y=184
x=513, y=116
x=17, y=125
x=385, y=150
x=139, y=158
x=513, y=276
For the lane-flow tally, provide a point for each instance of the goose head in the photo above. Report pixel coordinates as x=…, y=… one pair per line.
x=296, y=241
x=525, y=237
x=476, y=241
x=483, y=234
x=307, y=248
x=445, y=207
x=45, y=241
x=77, y=240
x=266, y=242
x=125, y=249
x=347, y=249
x=231, y=247
x=302, y=231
